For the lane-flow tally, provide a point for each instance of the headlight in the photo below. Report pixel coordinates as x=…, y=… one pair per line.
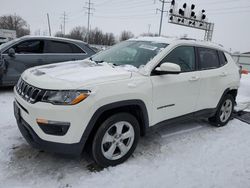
x=70, y=97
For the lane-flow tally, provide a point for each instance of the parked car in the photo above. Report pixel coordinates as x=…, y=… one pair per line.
x=3, y=40
x=29, y=51
x=118, y=95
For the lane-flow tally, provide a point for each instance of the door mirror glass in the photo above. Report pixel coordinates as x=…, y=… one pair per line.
x=11, y=52
x=168, y=68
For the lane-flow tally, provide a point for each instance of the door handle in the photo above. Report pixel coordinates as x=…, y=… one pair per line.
x=194, y=78
x=223, y=74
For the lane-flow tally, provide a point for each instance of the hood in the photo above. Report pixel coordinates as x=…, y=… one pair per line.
x=73, y=75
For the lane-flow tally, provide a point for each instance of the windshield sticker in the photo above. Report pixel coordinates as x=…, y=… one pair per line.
x=148, y=47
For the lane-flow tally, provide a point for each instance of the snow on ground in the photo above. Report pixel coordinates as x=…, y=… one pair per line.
x=192, y=154
x=243, y=98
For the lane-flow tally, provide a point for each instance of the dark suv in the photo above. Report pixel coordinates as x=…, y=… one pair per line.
x=25, y=52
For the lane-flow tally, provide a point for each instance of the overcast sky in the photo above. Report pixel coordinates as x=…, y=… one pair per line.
x=231, y=17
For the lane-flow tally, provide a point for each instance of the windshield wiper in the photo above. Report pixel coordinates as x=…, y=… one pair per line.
x=97, y=62
x=101, y=61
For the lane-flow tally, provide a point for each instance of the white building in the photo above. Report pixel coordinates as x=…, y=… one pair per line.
x=243, y=60
x=7, y=35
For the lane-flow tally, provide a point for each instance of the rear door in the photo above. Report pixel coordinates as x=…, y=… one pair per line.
x=28, y=53
x=60, y=51
x=213, y=77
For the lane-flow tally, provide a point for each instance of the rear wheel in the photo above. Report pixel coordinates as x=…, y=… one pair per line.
x=224, y=112
x=115, y=140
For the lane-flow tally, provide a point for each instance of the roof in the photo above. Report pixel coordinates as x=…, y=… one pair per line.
x=174, y=40
x=49, y=37
x=166, y=40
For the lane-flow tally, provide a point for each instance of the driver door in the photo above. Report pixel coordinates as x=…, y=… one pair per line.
x=28, y=54
x=175, y=95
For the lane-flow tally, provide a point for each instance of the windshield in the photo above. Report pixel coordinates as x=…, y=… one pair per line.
x=134, y=53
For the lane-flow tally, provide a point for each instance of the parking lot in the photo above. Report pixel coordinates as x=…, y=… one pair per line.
x=192, y=154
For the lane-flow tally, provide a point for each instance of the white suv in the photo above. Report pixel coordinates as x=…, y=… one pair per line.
x=111, y=99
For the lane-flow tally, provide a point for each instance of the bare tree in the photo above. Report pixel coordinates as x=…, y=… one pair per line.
x=96, y=36
x=78, y=33
x=125, y=35
x=149, y=34
x=14, y=22
x=59, y=34
x=109, y=39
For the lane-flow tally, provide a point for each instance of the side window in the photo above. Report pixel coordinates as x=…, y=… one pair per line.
x=62, y=47
x=223, y=59
x=76, y=49
x=31, y=46
x=184, y=56
x=209, y=58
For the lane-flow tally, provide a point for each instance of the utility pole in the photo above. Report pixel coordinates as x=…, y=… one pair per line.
x=149, y=26
x=64, y=21
x=89, y=9
x=64, y=18
x=49, y=24
x=162, y=12
x=61, y=28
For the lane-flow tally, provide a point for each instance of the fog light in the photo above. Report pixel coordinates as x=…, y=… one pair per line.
x=53, y=127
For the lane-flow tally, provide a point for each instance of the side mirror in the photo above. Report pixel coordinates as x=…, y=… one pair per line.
x=11, y=52
x=168, y=68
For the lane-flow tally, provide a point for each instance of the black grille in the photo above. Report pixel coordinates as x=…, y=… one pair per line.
x=29, y=92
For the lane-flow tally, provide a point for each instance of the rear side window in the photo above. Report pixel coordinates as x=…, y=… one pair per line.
x=223, y=59
x=62, y=47
x=29, y=47
x=209, y=58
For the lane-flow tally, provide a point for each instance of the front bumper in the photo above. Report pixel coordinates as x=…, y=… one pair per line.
x=35, y=141
x=72, y=142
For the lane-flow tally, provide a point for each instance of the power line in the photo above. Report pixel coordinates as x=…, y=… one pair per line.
x=122, y=11
x=230, y=12
x=89, y=12
x=64, y=18
x=107, y=1
x=219, y=2
x=126, y=7
x=126, y=17
x=162, y=11
x=231, y=8
x=123, y=3
x=128, y=12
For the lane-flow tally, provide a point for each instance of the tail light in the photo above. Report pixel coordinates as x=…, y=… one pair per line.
x=244, y=71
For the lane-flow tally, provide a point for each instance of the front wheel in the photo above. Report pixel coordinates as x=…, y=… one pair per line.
x=115, y=140
x=224, y=112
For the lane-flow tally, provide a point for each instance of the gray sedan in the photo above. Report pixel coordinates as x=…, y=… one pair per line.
x=25, y=52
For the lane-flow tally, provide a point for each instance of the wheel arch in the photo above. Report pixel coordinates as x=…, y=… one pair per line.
x=134, y=107
x=230, y=91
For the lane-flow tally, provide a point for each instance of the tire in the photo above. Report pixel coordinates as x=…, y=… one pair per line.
x=224, y=112
x=115, y=140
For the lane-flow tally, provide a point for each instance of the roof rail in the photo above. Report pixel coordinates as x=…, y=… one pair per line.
x=185, y=38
